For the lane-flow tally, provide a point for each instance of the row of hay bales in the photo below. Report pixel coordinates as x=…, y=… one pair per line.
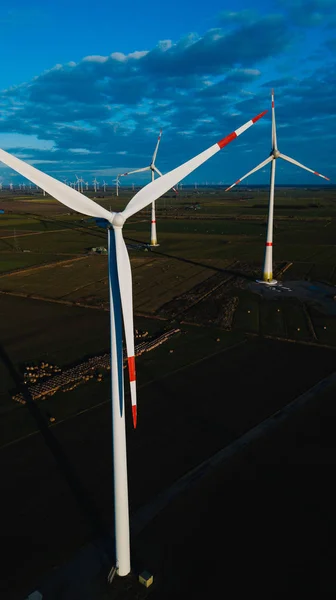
x=68, y=380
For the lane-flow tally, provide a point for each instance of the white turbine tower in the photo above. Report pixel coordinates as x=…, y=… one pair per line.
x=117, y=184
x=95, y=184
x=121, y=306
x=153, y=170
x=80, y=182
x=104, y=186
x=267, y=276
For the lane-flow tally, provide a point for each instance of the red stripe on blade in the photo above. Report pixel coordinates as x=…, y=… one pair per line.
x=227, y=139
x=269, y=244
x=153, y=221
x=134, y=415
x=131, y=368
x=258, y=116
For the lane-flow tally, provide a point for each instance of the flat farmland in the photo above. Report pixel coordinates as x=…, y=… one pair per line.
x=186, y=418
x=156, y=280
x=58, y=280
x=197, y=393
x=15, y=261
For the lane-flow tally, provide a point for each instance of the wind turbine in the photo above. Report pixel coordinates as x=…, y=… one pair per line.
x=80, y=182
x=267, y=276
x=121, y=305
x=153, y=170
x=104, y=186
x=95, y=183
x=116, y=181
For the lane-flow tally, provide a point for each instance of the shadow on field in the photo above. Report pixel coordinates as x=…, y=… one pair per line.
x=234, y=272
x=92, y=230
x=78, y=226
x=80, y=494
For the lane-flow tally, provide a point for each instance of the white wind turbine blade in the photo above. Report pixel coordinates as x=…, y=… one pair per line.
x=265, y=162
x=295, y=162
x=156, y=147
x=161, y=175
x=274, y=135
x=159, y=186
x=136, y=171
x=62, y=192
x=125, y=286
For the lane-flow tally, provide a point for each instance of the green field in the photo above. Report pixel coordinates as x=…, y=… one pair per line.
x=205, y=259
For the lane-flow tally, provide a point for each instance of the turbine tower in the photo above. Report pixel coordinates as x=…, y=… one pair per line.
x=80, y=182
x=95, y=183
x=153, y=169
x=117, y=184
x=267, y=276
x=121, y=305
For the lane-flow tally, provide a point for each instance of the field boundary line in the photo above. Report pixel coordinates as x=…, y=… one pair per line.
x=8, y=237
x=44, y=266
x=53, y=300
x=147, y=513
x=283, y=339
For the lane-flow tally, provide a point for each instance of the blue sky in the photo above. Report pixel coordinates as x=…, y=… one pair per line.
x=86, y=87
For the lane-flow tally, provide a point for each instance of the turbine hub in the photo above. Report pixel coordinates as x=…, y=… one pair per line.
x=118, y=220
x=275, y=153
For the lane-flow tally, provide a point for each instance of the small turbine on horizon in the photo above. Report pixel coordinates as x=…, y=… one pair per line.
x=95, y=184
x=153, y=169
x=117, y=184
x=267, y=277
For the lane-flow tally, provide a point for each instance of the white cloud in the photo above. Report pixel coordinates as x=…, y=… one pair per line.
x=138, y=54
x=119, y=56
x=95, y=58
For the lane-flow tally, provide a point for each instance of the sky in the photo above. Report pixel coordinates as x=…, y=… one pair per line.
x=86, y=87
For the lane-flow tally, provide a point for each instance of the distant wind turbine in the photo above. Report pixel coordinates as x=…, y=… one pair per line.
x=152, y=167
x=117, y=184
x=95, y=184
x=267, y=276
x=121, y=305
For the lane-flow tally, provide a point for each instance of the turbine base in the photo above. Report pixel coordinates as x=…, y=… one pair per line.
x=272, y=282
x=153, y=245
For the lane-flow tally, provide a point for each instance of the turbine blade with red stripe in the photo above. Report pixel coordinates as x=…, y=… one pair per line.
x=59, y=190
x=295, y=162
x=156, y=147
x=265, y=162
x=160, y=186
x=125, y=286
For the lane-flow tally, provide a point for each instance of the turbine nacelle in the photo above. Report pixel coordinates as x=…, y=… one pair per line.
x=117, y=220
x=275, y=153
